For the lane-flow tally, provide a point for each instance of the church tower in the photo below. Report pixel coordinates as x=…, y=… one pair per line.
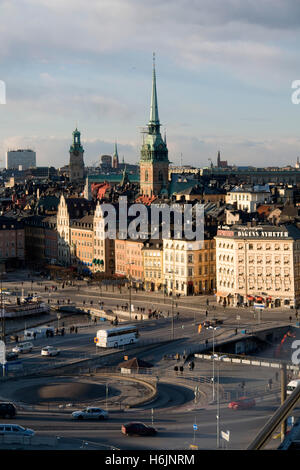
x=115, y=160
x=154, y=163
x=76, y=165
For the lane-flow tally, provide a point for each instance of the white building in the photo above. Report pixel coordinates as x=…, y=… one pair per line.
x=20, y=158
x=258, y=264
x=247, y=198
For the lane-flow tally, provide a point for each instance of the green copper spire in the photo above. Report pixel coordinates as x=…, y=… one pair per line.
x=154, y=119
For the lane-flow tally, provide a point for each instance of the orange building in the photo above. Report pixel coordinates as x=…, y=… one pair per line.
x=129, y=259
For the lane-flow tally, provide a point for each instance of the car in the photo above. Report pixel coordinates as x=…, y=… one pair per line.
x=243, y=403
x=224, y=356
x=138, y=429
x=214, y=356
x=11, y=355
x=15, y=430
x=50, y=351
x=90, y=413
x=23, y=347
x=7, y=410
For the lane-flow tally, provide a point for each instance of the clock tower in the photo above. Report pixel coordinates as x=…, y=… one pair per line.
x=154, y=162
x=76, y=165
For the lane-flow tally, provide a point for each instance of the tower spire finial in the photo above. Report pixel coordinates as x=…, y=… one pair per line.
x=154, y=119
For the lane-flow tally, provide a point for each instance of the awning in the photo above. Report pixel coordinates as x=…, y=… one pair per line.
x=222, y=294
x=250, y=297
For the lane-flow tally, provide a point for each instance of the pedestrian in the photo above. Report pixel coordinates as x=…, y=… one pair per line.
x=206, y=313
x=270, y=384
x=290, y=318
x=76, y=329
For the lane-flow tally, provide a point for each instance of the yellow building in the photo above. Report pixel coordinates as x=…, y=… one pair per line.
x=153, y=265
x=189, y=266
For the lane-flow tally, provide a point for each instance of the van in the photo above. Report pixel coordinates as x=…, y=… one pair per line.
x=39, y=332
x=292, y=385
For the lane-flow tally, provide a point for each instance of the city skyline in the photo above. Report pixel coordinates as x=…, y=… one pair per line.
x=224, y=79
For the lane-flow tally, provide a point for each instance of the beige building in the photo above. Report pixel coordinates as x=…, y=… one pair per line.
x=258, y=264
x=189, y=266
x=104, y=246
x=153, y=265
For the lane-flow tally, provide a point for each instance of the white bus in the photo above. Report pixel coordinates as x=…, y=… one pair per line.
x=115, y=337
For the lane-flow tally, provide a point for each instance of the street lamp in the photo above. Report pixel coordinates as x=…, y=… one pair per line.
x=213, y=364
x=218, y=408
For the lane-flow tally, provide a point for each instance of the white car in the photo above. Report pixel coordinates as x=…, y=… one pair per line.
x=23, y=347
x=50, y=351
x=90, y=413
x=15, y=430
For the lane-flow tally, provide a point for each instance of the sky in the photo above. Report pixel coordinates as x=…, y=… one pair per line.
x=224, y=74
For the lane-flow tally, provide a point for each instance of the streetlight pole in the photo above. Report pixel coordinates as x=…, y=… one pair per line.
x=213, y=364
x=218, y=409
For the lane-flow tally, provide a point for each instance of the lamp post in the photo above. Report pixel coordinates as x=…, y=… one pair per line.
x=218, y=408
x=213, y=365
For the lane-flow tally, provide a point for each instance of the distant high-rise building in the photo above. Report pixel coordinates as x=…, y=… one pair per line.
x=76, y=164
x=21, y=158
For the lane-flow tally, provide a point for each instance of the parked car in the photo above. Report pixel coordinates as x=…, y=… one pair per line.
x=11, y=355
x=138, y=429
x=7, y=410
x=90, y=413
x=15, y=430
x=243, y=403
x=50, y=351
x=23, y=347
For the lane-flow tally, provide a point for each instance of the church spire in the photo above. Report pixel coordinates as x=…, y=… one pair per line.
x=154, y=119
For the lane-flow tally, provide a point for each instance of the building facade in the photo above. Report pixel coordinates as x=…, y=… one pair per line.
x=189, y=266
x=104, y=245
x=153, y=265
x=24, y=158
x=258, y=264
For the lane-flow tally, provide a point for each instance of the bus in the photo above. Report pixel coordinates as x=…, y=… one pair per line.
x=115, y=337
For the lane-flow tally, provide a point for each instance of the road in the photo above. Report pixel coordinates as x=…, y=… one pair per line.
x=172, y=417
